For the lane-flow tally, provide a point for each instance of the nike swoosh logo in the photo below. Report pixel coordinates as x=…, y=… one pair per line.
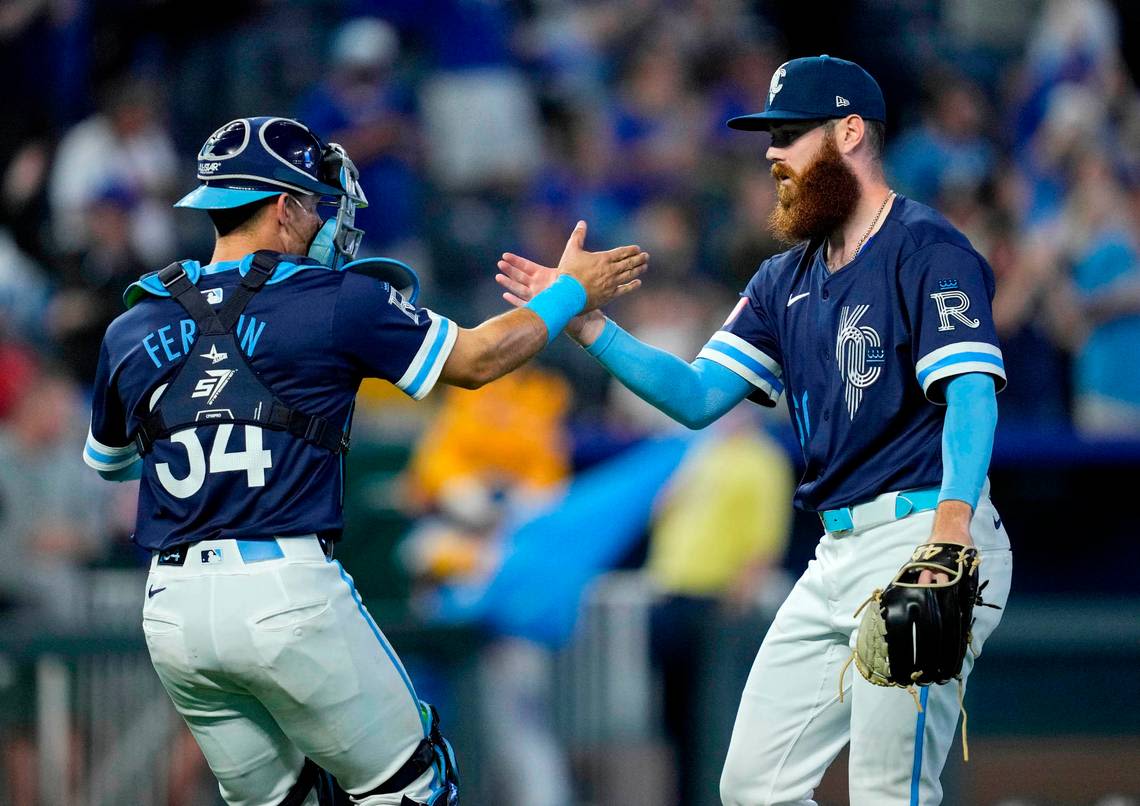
x=150, y=594
x=793, y=300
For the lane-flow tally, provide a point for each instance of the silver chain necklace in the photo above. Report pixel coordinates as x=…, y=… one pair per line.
x=870, y=229
x=875, y=221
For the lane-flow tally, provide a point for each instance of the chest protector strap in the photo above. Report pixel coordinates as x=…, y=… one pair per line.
x=216, y=383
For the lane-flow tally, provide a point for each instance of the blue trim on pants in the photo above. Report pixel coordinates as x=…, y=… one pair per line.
x=391, y=656
x=919, y=730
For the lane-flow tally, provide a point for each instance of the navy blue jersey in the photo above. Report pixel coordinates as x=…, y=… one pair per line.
x=863, y=354
x=311, y=334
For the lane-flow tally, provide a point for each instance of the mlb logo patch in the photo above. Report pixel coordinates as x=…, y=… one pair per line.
x=213, y=295
x=211, y=556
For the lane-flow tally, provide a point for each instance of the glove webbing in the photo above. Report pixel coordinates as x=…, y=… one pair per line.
x=911, y=690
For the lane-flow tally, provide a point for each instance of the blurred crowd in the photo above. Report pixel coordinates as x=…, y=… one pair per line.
x=482, y=126
x=487, y=125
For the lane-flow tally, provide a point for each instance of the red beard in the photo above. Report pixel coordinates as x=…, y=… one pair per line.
x=817, y=201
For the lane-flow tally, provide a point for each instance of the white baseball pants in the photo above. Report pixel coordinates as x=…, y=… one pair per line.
x=791, y=724
x=275, y=660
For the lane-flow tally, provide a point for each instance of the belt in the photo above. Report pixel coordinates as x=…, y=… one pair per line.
x=244, y=552
x=885, y=508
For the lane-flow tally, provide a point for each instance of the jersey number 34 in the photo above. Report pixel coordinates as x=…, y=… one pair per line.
x=254, y=460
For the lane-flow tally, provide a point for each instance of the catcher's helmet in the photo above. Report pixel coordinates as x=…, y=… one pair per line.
x=250, y=159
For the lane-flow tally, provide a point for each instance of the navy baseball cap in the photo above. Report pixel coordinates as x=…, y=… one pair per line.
x=816, y=88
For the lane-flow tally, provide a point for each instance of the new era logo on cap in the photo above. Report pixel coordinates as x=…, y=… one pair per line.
x=816, y=88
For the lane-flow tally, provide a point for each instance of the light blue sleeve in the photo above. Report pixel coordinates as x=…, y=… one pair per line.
x=967, y=436
x=693, y=394
x=131, y=472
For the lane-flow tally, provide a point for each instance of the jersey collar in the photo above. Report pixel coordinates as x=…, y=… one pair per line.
x=150, y=285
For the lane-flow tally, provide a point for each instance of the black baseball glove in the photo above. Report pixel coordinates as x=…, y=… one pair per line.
x=916, y=633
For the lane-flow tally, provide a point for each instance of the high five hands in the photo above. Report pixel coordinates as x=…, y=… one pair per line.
x=604, y=275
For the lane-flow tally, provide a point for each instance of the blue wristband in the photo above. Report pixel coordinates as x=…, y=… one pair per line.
x=557, y=305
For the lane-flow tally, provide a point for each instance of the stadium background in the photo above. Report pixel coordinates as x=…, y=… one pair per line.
x=562, y=571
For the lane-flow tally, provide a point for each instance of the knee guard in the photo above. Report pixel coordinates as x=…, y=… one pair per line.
x=433, y=752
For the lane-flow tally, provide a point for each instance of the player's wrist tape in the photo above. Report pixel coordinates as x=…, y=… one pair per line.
x=604, y=339
x=557, y=305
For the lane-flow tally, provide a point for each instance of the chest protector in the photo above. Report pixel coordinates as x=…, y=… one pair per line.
x=216, y=383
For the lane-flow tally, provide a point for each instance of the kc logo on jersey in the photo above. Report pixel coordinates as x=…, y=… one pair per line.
x=952, y=304
x=859, y=355
x=212, y=385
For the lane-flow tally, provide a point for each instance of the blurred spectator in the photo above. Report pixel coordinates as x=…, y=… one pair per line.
x=740, y=71
x=504, y=444
x=52, y=522
x=126, y=146
x=23, y=197
x=565, y=46
x=91, y=283
x=19, y=367
x=1072, y=42
x=947, y=151
x=1075, y=121
x=657, y=124
x=1028, y=291
x=718, y=538
x=745, y=240
x=51, y=527
x=23, y=291
x=507, y=438
x=1096, y=236
x=361, y=105
x=481, y=116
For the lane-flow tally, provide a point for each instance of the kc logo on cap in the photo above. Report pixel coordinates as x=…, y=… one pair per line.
x=776, y=86
x=816, y=88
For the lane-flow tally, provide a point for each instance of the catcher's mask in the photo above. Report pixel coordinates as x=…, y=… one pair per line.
x=250, y=159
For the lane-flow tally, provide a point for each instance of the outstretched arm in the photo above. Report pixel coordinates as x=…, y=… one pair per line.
x=693, y=394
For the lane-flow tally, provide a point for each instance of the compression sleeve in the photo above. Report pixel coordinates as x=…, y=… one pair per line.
x=693, y=394
x=967, y=436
